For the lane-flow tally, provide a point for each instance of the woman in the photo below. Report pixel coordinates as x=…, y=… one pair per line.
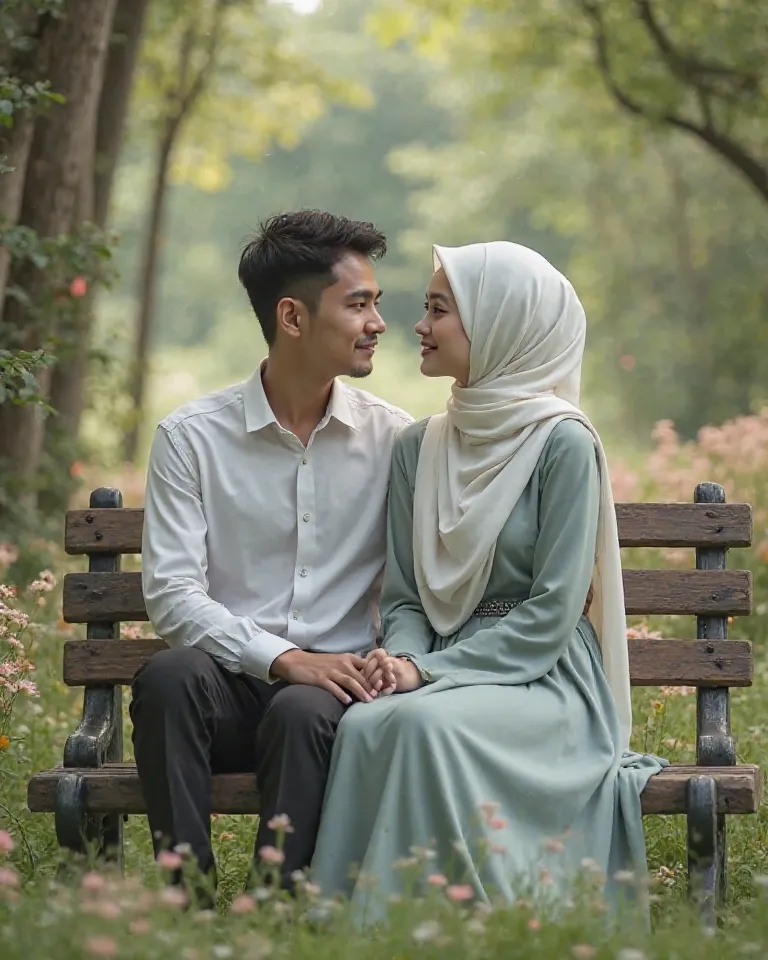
x=501, y=517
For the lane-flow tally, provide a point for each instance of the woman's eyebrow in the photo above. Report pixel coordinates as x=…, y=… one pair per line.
x=439, y=296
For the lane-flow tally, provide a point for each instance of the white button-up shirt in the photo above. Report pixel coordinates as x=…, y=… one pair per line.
x=254, y=544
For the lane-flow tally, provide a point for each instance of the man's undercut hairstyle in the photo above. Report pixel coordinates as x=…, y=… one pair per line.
x=293, y=255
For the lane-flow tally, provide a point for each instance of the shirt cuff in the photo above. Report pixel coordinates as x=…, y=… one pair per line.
x=260, y=653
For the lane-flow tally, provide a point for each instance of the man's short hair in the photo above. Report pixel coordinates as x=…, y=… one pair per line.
x=293, y=255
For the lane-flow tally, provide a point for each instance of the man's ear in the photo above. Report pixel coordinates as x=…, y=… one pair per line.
x=289, y=316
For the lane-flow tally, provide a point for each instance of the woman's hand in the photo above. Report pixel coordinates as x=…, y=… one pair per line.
x=379, y=671
x=387, y=674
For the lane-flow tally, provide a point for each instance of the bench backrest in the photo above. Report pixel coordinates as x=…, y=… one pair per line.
x=104, y=597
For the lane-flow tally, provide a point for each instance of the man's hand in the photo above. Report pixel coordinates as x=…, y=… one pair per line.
x=339, y=673
x=387, y=674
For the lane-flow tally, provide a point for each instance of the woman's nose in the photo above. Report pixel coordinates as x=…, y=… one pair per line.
x=422, y=327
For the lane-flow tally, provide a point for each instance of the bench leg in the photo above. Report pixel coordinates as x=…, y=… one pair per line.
x=85, y=834
x=706, y=849
x=97, y=740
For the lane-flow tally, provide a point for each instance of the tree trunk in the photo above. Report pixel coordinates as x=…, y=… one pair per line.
x=27, y=66
x=148, y=285
x=60, y=152
x=115, y=97
x=69, y=376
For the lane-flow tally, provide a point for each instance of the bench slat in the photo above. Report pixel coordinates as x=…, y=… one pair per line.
x=94, y=597
x=640, y=525
x=116, y=789
x=713, y=663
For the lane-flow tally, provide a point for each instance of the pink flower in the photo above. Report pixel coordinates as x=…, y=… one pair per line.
x=107, y=910
x=281, y=823
x=101, y=946
x=242, y=904
x=534, y=924
x=92, y=882
x=173, y=897
x=553, y=845
x=8, y=877
x=459, y=892
x=272, y=855
x=437, y=880
x=44, y=584
x=140, y=926
x=583, y=951
x=78, y=288
x=6, y=842
x=627, y=362
x=169, y=860
x=28, y=687
x=497, y=823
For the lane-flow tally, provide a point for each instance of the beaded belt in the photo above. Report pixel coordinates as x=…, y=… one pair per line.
x=495, y=608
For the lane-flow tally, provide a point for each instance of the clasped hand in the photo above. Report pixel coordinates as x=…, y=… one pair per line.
x=377, y=675
x=387, y=674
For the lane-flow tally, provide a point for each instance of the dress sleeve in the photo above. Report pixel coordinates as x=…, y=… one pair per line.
x=405, y=627
x=526, y=644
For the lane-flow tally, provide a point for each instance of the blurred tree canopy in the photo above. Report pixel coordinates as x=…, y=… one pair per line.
x=627, y=141
x=659, y=232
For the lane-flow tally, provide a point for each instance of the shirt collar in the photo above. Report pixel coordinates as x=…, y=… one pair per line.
x=259, y=414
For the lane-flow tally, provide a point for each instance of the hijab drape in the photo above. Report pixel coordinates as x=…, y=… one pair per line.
x=526, y=328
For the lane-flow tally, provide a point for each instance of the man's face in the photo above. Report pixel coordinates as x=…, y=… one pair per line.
x=343, y=331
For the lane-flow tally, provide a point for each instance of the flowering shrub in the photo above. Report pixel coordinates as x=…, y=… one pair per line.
x=735, y=455
x=16, y=668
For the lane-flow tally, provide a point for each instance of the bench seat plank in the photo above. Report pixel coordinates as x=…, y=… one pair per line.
x=115, y=788
x=716, y=663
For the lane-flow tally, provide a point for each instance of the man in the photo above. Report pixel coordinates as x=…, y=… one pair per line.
x=264, y=541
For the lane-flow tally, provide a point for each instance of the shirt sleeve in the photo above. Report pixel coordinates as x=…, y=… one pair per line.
x=174, y=571
x=405, y=627
x=526, y=644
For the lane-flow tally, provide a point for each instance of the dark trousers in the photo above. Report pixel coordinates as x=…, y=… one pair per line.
x=192, y=718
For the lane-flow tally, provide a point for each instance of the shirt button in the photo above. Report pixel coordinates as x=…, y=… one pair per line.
x=305, y=518
x=303, y=461
x=303, y=572
x=295, y=614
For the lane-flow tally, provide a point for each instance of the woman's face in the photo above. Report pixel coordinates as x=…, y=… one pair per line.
x=444, y=344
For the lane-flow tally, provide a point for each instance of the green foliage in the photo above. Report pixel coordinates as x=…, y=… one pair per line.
x=18, y=380
x=72, y=265
x=15, y=96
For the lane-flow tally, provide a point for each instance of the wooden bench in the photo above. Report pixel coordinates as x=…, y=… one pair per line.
x=94, y=789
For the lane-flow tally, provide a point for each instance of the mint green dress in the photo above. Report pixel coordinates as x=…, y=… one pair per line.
x=516, y=711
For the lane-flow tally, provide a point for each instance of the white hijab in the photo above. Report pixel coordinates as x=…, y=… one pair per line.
x=526, y=328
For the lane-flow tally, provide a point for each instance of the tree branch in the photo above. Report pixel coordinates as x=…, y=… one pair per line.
x=691, y=70
x=729, y=149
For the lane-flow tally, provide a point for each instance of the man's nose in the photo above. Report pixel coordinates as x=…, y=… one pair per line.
x=376, y=323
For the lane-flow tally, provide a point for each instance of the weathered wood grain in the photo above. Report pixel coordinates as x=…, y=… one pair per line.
x=116, y=788
x=106, y=596
x=722, y=663
x=640, y=525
